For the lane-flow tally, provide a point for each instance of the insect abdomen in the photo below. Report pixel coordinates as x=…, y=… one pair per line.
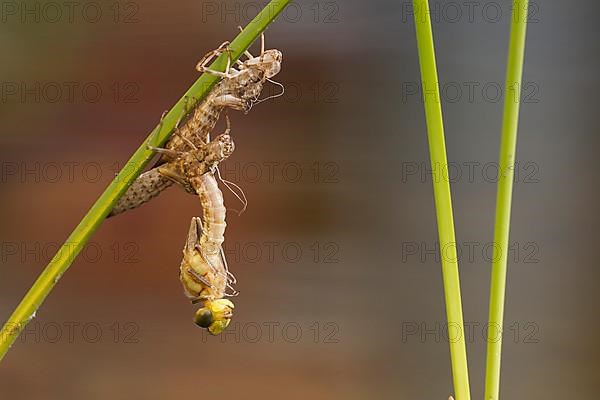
x=211, y=199
x=147, y=186
x=198, y=126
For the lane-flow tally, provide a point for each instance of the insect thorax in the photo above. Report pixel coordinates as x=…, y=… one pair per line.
x=247, y=85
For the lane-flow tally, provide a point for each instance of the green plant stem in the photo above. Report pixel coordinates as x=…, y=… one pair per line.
x=510, y=120
x=26, y=309
x=443, y=201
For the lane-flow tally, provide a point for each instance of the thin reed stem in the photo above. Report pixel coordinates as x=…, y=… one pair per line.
x=510, y=120
x=443, y=201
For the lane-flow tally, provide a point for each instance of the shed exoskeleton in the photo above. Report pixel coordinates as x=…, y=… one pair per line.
x=239, y=89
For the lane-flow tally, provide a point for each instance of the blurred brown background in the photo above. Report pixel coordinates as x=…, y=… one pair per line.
x=341, y=288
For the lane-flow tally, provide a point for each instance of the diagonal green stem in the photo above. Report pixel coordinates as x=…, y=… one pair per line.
x=26, y=309
x=510, y=120
x=443, y=201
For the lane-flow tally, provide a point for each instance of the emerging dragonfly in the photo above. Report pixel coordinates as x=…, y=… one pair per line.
x=191, y=160
x=239, y=89
x=204, y=272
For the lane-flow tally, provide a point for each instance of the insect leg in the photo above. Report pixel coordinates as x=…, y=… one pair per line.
x=199, y=278
x=228, y=66
x=176, y=132
x=204, y=61
x=168, y=152
x=157, y=130
x=198, y=299
x=229, y=274
x=202, y=65
x=151, y=139
x=212, y=71
x=230, y=279
x=160, y=150
x=185, y=140
x=228, y=125
x=173, y=174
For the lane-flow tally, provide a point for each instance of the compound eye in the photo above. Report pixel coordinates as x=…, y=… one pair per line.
x=204, y=318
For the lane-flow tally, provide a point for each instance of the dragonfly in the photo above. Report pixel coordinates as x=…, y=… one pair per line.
x=203, y=272
x=239, y=88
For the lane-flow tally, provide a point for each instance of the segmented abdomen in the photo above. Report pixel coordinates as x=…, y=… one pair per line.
x=213, y=209
x=147, y=186
x=200, y=124
x=203, y=272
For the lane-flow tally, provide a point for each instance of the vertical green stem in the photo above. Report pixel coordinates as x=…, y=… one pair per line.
x=63, y=259
x=514, y=70
x=443, y=201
